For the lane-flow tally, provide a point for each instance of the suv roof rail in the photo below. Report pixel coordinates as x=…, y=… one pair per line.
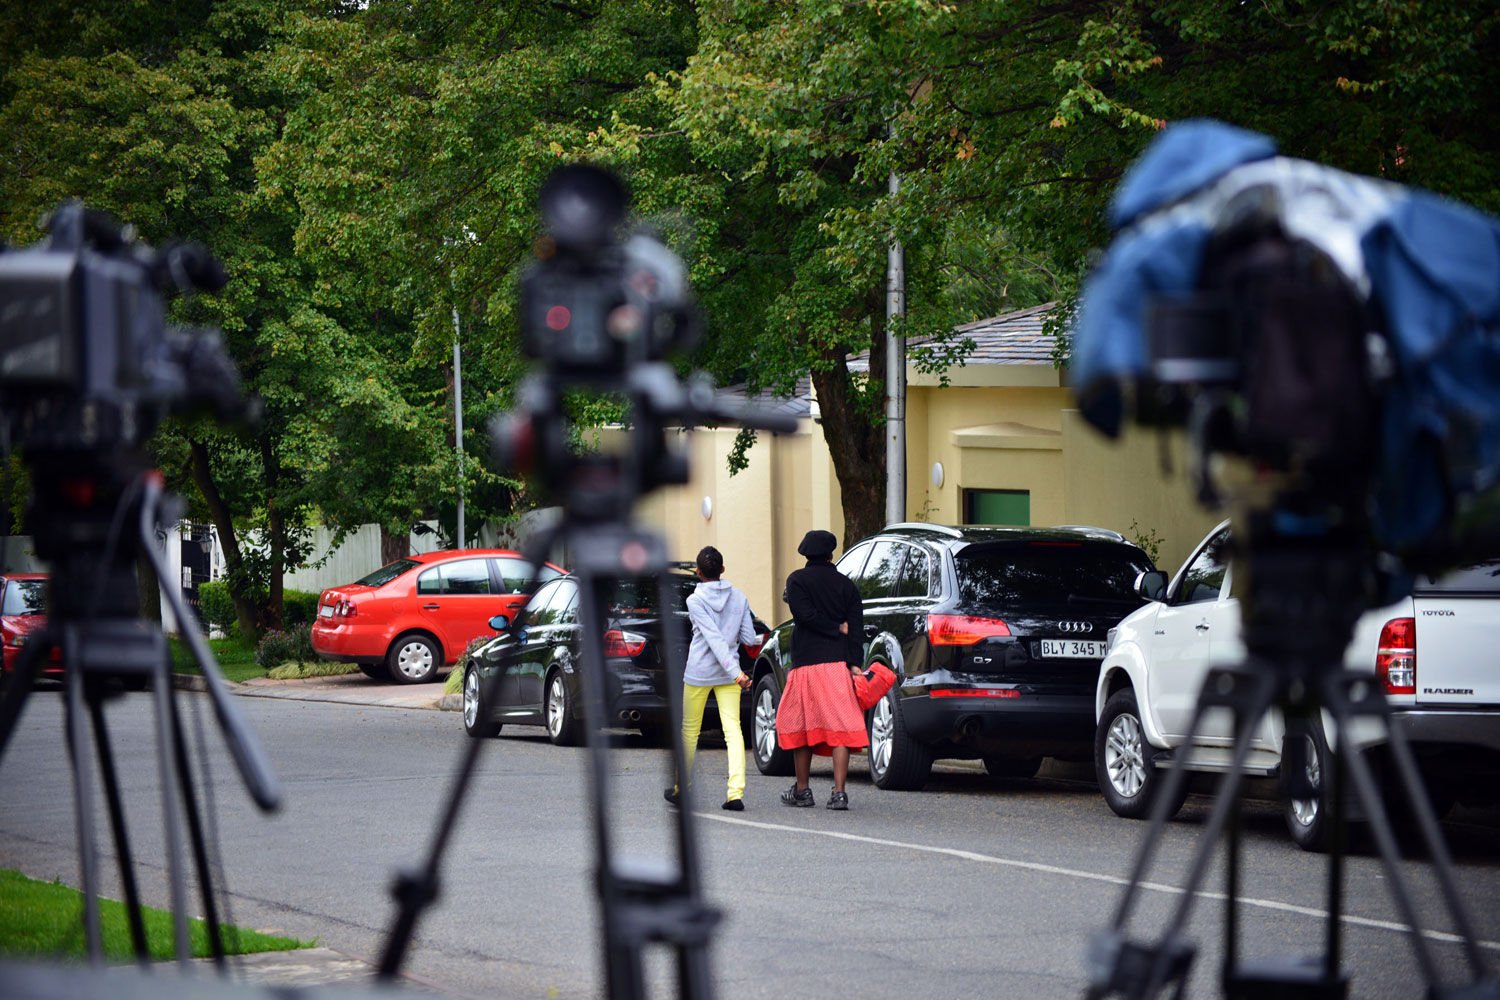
x=1109, y=533
x=940, y=529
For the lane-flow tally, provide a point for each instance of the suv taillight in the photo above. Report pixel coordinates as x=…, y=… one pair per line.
x=962, y=630
x=1396, y=659
x=618, y=643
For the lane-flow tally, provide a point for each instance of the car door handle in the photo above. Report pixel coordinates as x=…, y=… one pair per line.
x=431, y=607
x=1201, y=626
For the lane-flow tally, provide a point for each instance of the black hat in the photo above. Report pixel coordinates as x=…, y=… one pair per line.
x=817, y=544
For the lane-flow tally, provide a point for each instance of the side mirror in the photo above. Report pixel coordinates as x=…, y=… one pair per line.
x=1152, y=585
x=500, y=623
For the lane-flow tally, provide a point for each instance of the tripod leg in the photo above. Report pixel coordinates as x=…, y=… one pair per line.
x=172, y=833
x=196, y=839
x=83, y=813
x=22, y=679
x=1442, y=860
x=121, y=834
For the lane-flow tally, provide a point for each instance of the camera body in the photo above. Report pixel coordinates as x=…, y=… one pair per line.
x=87, y=359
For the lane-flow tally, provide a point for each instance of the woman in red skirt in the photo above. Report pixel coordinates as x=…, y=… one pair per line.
x=818, y=712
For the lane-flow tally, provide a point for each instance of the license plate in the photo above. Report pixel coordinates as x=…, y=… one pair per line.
x=326, y=611
x=1072, y=649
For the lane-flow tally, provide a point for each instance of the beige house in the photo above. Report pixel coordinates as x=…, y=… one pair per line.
x=1000, y=444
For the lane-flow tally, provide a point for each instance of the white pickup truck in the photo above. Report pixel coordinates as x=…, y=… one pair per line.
x=1436, y=653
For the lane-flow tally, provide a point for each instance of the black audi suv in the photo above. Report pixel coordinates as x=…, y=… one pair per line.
x=995, y=634
x=531, y=673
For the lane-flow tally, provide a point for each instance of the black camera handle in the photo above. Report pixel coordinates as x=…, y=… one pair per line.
x=99, y=656
x=1294, y=665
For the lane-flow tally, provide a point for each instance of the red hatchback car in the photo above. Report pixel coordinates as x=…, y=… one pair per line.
x=404, y=621
x=23, y=612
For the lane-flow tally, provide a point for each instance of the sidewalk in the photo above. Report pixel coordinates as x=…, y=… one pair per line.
x=348, y=689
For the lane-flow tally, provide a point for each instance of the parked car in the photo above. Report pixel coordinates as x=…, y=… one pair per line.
x=23, y=613
x=408, y=619
x=995, y=635
x=531, y=673
x=1447, y=700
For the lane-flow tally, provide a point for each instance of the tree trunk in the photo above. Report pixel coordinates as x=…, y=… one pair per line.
x=245, y=611
x=857, y=448
x=276, y=527
x=393, y=546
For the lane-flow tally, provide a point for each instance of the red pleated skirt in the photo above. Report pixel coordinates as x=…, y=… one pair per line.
x=818, y=710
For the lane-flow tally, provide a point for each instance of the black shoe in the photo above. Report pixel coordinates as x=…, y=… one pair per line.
x=801, y=798
x=839, y=800
x=672, y=796
x=736, y=805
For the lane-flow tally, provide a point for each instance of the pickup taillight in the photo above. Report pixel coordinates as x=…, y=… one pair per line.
x=1396, y=659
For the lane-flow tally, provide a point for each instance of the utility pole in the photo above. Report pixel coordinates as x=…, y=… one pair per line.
x=458, y=422
x=895, y=377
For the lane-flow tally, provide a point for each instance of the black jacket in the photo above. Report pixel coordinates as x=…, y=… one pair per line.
x=821, y=598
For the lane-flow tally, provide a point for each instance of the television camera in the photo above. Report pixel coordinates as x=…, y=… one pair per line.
x=1336, y=335
x=603, y=315
x=88, y=369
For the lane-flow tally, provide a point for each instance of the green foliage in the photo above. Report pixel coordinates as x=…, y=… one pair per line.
x=454, y=682
x=40, y=920
x=216, y=606
x=1148, y=539
x=299, y=607
x=234, y=655
x=291, y=671
x=293, y=645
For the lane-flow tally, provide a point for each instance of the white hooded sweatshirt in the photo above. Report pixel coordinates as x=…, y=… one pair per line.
x=720, y=614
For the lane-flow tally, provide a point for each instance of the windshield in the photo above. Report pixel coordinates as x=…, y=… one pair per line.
x=1047, y=572
x=25, y=597
x=386, y=574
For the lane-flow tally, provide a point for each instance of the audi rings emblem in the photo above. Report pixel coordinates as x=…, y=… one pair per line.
x=1075, y=628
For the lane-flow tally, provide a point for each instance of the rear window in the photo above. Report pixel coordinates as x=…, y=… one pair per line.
x=1481, y=579
x=638, y=597
x=25, y=597
x=386, y=574
x=1046, y=572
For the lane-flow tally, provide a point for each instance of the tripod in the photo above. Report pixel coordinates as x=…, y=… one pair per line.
x=94, y=621
x=1299, y=615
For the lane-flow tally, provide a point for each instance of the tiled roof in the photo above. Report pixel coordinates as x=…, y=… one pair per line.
x=798, y=404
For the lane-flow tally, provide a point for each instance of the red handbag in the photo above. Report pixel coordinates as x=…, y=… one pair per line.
x=871, y=686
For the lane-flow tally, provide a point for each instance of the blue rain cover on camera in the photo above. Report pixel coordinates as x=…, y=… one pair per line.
x=1429, y=266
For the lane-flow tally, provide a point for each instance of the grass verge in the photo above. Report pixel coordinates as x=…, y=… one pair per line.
x=45, y=920
x=291, y=670
x=236, y=658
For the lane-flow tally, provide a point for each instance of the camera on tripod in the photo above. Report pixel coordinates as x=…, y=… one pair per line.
x=87, y=359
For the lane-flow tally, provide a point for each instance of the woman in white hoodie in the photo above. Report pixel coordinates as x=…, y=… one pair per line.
x=720, y=615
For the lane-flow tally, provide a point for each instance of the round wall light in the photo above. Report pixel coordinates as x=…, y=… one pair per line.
x=937, y=475
x=708, y=508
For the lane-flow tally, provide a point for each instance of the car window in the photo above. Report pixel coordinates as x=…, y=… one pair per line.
x=915, y=574
x=882, y=571
x=853, y=563
x=387, y=573
x=1049, y=572
x=639, y=597
x=1203, y=578
x=431, y=581
x=566, y=609
x=535, y=612
x=516, y=576
x=25, y=597
x=462, y=576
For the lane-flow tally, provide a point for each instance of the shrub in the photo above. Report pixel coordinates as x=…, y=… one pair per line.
x=298, y=607
x=216, y=606
x=454, y=682
x=292, y=645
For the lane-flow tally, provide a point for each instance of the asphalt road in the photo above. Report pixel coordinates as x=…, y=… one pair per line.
x=972, y=888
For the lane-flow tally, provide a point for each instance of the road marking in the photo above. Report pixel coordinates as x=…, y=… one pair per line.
x=1036, y=866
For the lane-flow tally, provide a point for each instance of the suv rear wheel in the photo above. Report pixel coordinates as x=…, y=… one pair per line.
x=1127, y=776
x=896, y=760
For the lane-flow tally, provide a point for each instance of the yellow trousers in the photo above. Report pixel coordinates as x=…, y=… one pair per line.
x=694, y=701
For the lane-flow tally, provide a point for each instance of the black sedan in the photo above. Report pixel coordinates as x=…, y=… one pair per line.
x=531, y=674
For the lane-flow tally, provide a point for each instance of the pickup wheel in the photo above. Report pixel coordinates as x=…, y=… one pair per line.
x=1122, y=761
x=1310, y=820
x=769, y=757
x=897, y=761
